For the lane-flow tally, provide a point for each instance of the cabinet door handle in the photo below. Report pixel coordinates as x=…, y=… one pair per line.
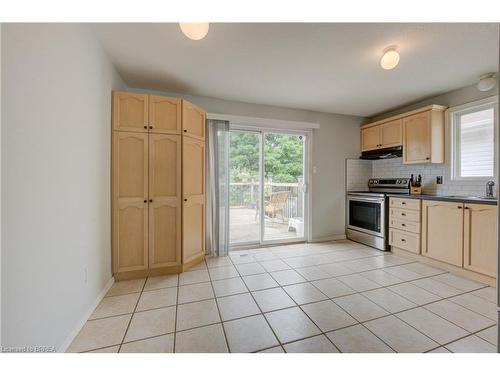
x=151, y=126
x=403, y=240
x=145, y=127
x=403, y=224
x=466, y=208
x=403, y=214
x=427, y=158
x=403, y=202
x=185, y=200
x=150, y=201
x=185, y=131
x=459, y=207
x=145, y=201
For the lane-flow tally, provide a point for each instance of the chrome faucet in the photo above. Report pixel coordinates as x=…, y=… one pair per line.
x=489, y=189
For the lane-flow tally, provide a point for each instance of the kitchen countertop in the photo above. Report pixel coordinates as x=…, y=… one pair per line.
x=447, y=198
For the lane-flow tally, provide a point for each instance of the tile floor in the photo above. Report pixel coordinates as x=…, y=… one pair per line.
x=330, y=297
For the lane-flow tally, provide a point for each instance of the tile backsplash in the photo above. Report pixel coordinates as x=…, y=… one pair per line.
x=359, y=171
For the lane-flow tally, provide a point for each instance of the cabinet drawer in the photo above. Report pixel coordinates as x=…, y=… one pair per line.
x=404, y=240
x=402, y=214
x=409, y=226
x=409, y=204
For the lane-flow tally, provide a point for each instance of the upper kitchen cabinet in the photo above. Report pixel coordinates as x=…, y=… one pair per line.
x=419, y=132
x=423, y=136
x=165, y=114
x=193, y=121
x=385, y=135
x=130, y=111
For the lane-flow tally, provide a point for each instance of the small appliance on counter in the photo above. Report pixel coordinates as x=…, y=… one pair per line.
x=416, y=185
x=367, y=220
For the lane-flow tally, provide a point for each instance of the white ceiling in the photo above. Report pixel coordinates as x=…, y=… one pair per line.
x=322, y=67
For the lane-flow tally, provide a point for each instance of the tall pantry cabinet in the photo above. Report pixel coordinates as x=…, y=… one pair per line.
x=158, y=185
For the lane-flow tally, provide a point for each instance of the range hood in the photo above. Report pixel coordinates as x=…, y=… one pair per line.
x=383, y=153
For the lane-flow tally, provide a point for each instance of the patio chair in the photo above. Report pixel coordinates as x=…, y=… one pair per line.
x=276, y=204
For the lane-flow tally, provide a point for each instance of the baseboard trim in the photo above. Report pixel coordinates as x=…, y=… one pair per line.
x=65, y=345
x=335, y=237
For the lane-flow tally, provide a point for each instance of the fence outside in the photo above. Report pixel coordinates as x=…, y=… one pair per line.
x=247, y=195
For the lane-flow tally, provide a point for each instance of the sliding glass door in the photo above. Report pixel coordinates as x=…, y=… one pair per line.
x=268, y=180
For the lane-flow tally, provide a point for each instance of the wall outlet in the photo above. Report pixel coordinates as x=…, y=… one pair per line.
x=439, y=180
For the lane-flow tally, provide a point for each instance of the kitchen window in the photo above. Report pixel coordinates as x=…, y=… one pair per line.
x=473, y=139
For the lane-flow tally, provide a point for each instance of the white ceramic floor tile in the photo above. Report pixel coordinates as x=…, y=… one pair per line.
x=197, y=314
x=389, y=300
x=275, y=349
x=241, y=258
x=116, y=305
x=249, y=334
x=357, y=339
x=151, y=323
x=228, y=287
x=260, y=281
x=316, y=344
x=237, y=306
x=224, y=272
x=250, y=269
x=160, y=344
x=402, y=273
x=312, y=273
x=423, y=269
x=287, y=277
x=157, y=298
x=489, y=334
x=192, y=277
x=213, y=262
x=360, y=307
x=272, y=299
x=458, y=282
x=439, y=350
x=489, y=294
x=291, y=324
x=477, y=304
x=195, y=292
x=100, y=333
x=358, y=283
x=438, y=288
x=333, y=287
x=109, y=349
x=414, y=294
x=264, y=256
x=159, y=282
x=381, y=277
x=274, y=265
x=459, y=315
x=335, y=269
x=298, y=262
x=400, y=336
x=209, y=339
x=471, y=344
x=432, y=325
x=328, y=316
x=304, y=293
x=126, y=287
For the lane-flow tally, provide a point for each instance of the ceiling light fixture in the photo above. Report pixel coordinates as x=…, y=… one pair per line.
x=486, y=82
x=195, y=31
x=390, y=58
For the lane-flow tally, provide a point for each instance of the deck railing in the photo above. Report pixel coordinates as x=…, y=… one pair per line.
x=247, y=195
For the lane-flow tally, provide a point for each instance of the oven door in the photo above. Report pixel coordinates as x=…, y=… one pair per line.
x=366, y=214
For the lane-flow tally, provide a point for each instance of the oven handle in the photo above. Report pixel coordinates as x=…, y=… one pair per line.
x=364, y=199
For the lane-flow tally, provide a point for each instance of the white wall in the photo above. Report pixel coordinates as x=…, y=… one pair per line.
x=56, y=100
x=336, y=140
x=0, y=184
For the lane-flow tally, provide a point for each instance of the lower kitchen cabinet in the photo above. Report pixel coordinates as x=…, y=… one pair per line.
x=480, y=238
x=442, y=231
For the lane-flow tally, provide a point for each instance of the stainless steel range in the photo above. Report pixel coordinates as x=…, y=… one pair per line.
x=366, y=211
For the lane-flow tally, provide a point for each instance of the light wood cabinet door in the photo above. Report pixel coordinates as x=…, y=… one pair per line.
x=130, y=112
x=193, y=185
x=164, y=200
x=193, y=120
x=370, y=138
x=390, y=134
x=130, y=206
x=417, y=138
x=165, y=114
x=442, y=231
x=480, y=238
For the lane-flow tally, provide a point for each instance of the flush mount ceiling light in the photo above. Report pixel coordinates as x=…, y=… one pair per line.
x=486, y=82
x=195, y=31
x=390, y=59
